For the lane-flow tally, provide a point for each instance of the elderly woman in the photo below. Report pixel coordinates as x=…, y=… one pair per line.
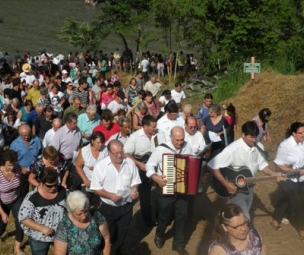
x=138, y=116
x=213, y=129
x=87, y=157
x=236, y=236
x=42, y=210
x=80, y=230
x=10, y=198
x=50, y=158
x=187, y=111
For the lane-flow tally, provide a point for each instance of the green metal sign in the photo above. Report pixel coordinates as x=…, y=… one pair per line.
x=252, y=67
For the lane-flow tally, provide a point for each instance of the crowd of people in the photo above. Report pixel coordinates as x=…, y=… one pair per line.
x=78, y=149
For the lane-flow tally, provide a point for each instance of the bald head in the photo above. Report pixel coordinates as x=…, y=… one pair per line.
x=190, y=125
x=25, y=132
x=177, y=137
x=56, y=124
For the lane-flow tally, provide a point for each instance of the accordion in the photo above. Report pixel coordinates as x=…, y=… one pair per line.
x=183, y=174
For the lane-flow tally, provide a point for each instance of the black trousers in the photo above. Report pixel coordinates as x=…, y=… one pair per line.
x=290, y=200
x=144, y=190
x=118, y=220
x=169, y=209
x=14, y=207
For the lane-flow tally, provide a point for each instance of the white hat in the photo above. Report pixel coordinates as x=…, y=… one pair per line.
x=64, y=71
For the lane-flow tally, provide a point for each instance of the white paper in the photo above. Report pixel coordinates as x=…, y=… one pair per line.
x=214, y=137
x=125, y=194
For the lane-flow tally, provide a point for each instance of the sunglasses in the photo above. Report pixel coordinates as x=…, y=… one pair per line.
x=50, y=185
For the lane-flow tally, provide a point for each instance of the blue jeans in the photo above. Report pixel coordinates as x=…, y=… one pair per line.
x=244, y=201
x=38, y=247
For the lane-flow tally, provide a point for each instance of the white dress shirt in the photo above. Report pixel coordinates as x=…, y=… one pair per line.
x=239, y=154
x=291, y=153
x=166, y=124
x=196, y=142
x=139, y=144
x=106, y=177
x=156, y=159
x=119, y=137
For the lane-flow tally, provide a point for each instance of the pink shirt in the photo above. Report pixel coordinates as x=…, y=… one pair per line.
x=10, y=190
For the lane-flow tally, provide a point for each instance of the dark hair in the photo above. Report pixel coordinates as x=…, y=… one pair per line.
x=81, y=81
x=250, y=128
x=117, y=84
x=147, y=120
x=166, y=92
x=177, y=84
x=16, y=82
x=69, y=117
x=171, y=107
x=265, y=112
x=107, y=115
x=294, y=127
x=49, y=108
x=49, y=175
x=110, y=86
x=230, y=108
x=10, y=156
x=28, y=102
x=208, y=96
x=97, y=134
x=143, y=93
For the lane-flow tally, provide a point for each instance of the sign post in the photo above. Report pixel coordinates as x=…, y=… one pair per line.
x=252, y=68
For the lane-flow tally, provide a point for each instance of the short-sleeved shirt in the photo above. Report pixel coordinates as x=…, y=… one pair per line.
x=178, y=96
x=81, y=241
x=43, y=211
x=107, y=177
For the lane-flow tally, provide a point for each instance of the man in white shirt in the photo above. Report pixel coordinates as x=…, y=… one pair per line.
x=56, y=124
x=240, y=153
x=169, y=207
x=164, y=99
x=193, y=137
x=139, y=147
x=178, y=94
x=117, y=104
x=144, y=64
x=115, y=179
x=153, y=85
x=170, y=119
x=125, y=130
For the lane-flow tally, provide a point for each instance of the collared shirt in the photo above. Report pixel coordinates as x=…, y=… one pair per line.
x=166, y=124
x=119, y=137
x=86, y=125
x=156, y=159
x=291, y=153
x=134, y=147
x=239, y=154
x=152, y=87
x=66, y=141
x=178, y=96
x=106, y=177
x=26, y=154
x=107, y=132
x=48, y=138
x=196, y=142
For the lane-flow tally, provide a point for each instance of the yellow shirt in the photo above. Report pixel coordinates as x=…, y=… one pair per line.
x=33, y=95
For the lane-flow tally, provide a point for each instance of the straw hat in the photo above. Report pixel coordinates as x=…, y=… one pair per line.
x=26, y=67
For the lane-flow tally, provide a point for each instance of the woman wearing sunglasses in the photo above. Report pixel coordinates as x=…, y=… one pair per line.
x=41, y=211
x=236, y=236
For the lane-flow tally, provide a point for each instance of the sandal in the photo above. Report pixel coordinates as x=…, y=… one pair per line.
x=276, y=227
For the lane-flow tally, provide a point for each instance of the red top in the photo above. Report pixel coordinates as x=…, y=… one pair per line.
x=107, y=132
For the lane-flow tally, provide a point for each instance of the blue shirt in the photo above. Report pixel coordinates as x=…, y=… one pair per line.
x=26, y=154
x=31, y=118
x=202, y=114
x=86, y=125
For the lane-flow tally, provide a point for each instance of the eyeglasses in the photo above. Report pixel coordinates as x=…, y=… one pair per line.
x=49, y=186
x=238, y=226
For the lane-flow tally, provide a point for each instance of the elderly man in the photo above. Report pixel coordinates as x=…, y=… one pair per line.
x=169, y=207
x=56, y=124
x=107, y=127
x=153, y=85
x=115, y=180
x=139, y=147
x=27, y=147
x=193, y=137
x=75, y=107
x=34, y=93
x=32, y=116
x=86, y=122
x=125, y=130
x=171, y=119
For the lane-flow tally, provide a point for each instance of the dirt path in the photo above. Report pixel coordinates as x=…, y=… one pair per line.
x=200, y=228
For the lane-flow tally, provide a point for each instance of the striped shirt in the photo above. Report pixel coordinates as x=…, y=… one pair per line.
x=83, y=95
x=10, y=190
